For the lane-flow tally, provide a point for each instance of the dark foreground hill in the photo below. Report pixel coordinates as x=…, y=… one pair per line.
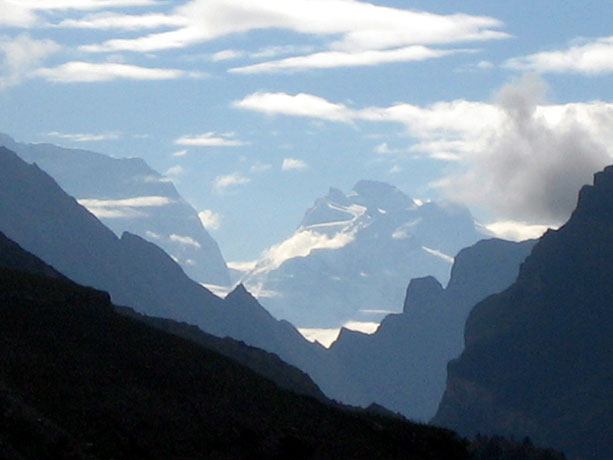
x=78, y=380
x=538, y=360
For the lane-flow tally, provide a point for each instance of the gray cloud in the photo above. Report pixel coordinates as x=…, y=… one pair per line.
x=530, y=169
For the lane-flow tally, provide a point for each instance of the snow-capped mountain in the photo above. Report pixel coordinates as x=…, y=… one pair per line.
x=127, y=195
x=354, y=253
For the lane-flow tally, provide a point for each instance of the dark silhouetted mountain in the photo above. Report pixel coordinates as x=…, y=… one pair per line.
x=266, y=364
x=127, y=195
x=43, y=219
x=80, y=381
x=353, y=253
x=538, y=359
x=402, y=366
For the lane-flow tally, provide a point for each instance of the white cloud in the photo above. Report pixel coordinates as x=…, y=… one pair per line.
x=20, y=55
x=210, y=220
x=221, y=183
x=325, y=336
x=531, y=168
x=367, y=327
x=123, y=208
x=356, y=30
x=175, y=170
x=85, y=137
x=226, y=55
x=108, y=20
x=259, y=167
x=330, y=59
x=136, y=202
x=301, y=244
x=517, y=157
x=293, y=164
x=210, y=139
x=15, y=14
x=305, y=105
x=80, y=71
x=184, y=240
x=179, y=153
x=591, y=58
x=79, y=4
x=516, y=231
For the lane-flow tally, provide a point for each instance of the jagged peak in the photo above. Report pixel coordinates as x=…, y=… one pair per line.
x=421, y=292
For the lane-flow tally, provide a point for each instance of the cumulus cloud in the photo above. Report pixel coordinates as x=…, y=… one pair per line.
x=20, y=55
x=16, y=15
x=293, y=164
x=222, y=183
x=591, y=58
x=210, y=139
x=210, y=220
x=81, y=71
x=516, y=230
x=175, y=170
x=528, y=170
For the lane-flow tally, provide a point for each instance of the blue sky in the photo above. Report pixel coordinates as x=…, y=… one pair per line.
x=255, y=109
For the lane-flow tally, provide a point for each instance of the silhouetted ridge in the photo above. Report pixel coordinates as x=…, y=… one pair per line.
x=538, y=358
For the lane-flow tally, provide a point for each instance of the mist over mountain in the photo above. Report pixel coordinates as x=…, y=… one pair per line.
x=42, y=218
x=80, y=381
x=538, y=357
x=127, y=195
x=402, y=366
x=353, y=253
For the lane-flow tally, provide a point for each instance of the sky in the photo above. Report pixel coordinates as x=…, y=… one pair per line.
x=255, y=109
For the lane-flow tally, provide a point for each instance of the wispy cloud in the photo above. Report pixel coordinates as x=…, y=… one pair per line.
x=330, y=59
x=176, y=170
x=353, y=32
x=80, y=71
x=184, y=240
x=20, y=55
x=210, y=139
x=123, y=208
x=85, y=137
x=209, y=219
x=222, y=183
x=110, y=20
x=306, y=105
x=590, y=58
x=293, y=164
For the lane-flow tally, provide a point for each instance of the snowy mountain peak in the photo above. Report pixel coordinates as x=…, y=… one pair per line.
x=353, y=253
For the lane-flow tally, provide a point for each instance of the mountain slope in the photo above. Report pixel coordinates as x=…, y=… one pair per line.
x=539, y=356
x=353, y=253
x=43, y=219
x=127, y=195
x=417, y=344
x=113, y=387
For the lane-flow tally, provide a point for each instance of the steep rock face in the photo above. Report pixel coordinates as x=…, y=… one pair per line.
x=352, y=254
x=127, y=195
x=539, y=356
x=44, y=220
x=402, y=366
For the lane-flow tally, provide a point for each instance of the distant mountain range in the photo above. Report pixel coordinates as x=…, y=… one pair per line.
x=127, y=195
x=80, y=381
x=353, y=254
x=402, y=366
x=538, y=360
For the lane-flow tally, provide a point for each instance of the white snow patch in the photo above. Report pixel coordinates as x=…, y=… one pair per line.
x=219, y=291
